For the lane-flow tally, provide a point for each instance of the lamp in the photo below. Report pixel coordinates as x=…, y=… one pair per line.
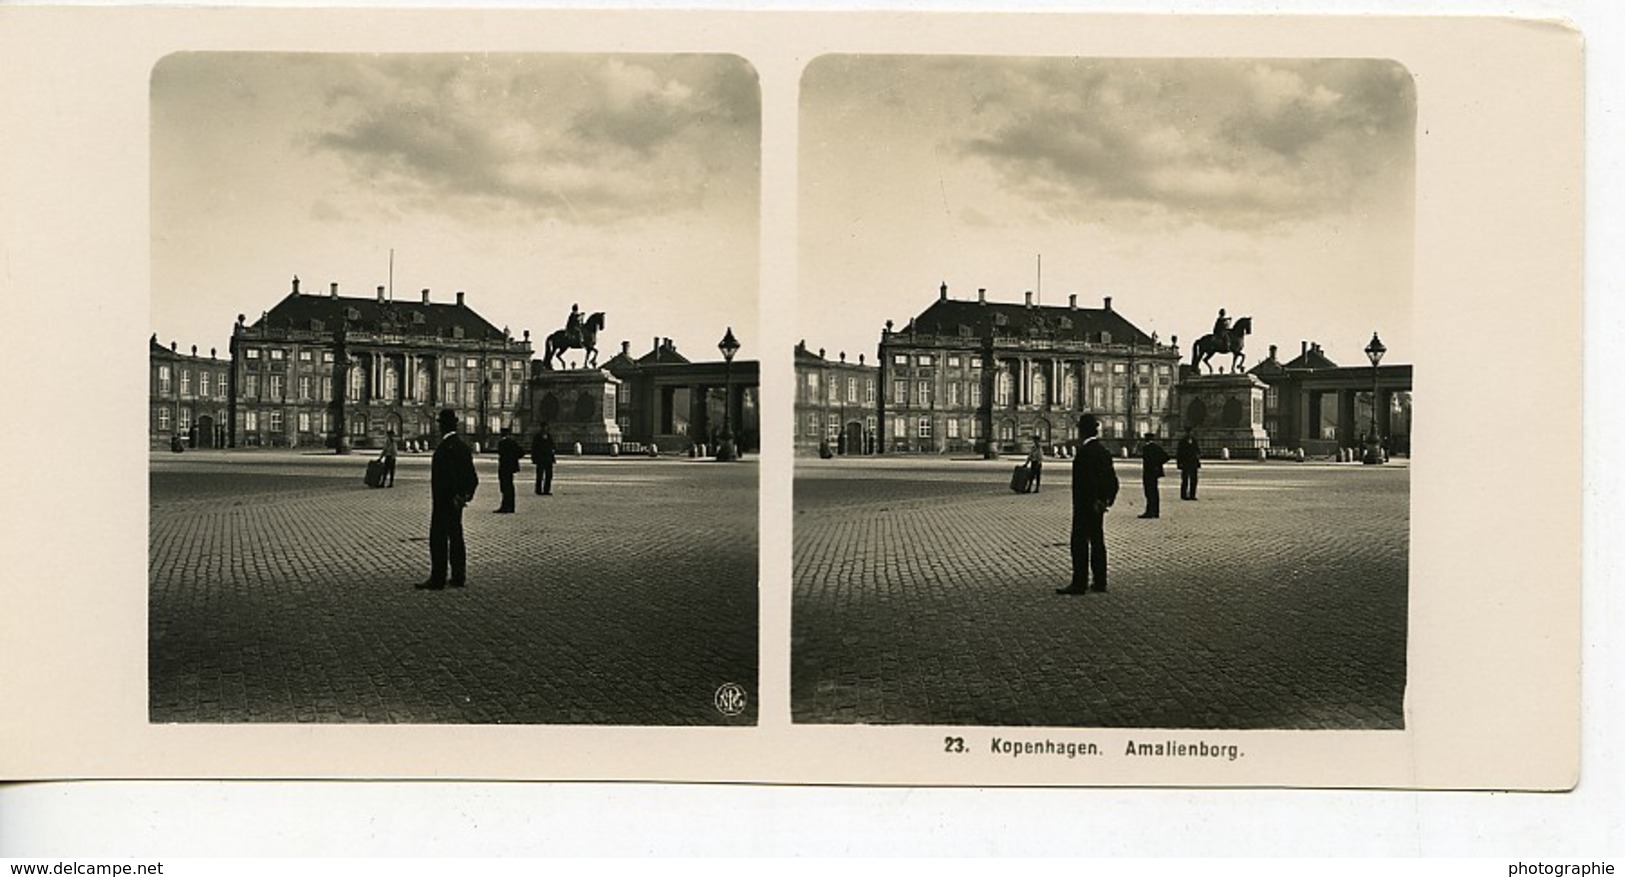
x=729, y=345
x=1373, y=442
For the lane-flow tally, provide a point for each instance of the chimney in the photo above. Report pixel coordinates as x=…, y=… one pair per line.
x=459, y=298
x=1108, y=304
x=1029, y=298
x=380, y=293
x=626, y=348
x=820, y=353
x=173, y=346
x=942, y=293
x=1072, y=301
x=981, y=296
x=1272, y=352
x=333, y=289
x=425, y=296
x=295, y=284
x=655, y=344
x=1303, y=348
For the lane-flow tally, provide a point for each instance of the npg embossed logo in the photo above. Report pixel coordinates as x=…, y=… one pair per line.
x=730, y=699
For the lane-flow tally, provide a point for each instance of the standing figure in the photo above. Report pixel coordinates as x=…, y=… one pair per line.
x=1035, y=463
x=1094, y=489
x=508, y=455
x=452, y=482
x=1152, y=457
x=1189, y=456
x=391, y=450
x=542, y=454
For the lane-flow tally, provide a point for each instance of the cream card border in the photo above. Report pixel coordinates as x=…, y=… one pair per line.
x=1493, y=700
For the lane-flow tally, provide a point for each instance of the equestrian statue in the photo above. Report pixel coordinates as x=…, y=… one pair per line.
x=577, y=333
x=1224, y=339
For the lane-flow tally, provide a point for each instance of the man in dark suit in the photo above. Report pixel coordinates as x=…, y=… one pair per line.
x=452, y=482
x=542, y=454
x=508, y=455
x=1189, y=457
x=1094, y=489
x=1152, y=458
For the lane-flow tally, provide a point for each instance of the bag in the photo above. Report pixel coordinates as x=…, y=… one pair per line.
x=1021, y=479
x=375, y=473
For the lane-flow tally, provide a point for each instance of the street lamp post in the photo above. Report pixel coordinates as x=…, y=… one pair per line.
x=729, y=345
x=1373, y=442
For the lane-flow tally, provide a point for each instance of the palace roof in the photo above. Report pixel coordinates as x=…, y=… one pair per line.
x=326, y=313
x=976, y=319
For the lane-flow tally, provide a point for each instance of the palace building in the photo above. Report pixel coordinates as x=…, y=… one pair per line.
x=1314, y=404
x=991, y=377
x=187, y=397
x=837, y=407
x=331, y=370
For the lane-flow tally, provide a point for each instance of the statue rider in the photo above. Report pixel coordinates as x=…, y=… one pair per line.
x=572, y=325
x=1221, y=332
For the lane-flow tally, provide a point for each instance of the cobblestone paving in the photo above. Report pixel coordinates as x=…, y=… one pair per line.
x=924, y=594
x=281, y=590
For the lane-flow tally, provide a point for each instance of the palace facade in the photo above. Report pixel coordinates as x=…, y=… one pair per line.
x=1314, y=404
x=327, y=370
x=837, y=406
x=187, y=397
x=994, y=377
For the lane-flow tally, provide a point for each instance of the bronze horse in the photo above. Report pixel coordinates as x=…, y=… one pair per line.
x=560, y=341
x=1231, y=343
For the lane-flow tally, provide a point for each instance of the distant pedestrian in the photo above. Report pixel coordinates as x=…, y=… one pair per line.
x=1035, y=463
x=1094, y=489
x=542, y=454
x=391, y=450
x=1152, y=458
x=1189, y=456
x=452, y=482
x=508, y=455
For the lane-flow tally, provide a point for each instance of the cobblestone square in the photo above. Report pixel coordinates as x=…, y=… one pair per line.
x=281, y=590
x=924, y=594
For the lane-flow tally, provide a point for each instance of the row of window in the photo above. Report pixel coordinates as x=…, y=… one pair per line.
x=921, y=394
x=208, y=383
x=809, y=390
x=312, y=390
x=277, y=354
x=926, y=360
x=954, y=360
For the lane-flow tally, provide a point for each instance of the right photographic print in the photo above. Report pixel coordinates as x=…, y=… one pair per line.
x=1103, y=407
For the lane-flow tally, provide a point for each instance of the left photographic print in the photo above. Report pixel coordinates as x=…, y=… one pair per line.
x=454, y=397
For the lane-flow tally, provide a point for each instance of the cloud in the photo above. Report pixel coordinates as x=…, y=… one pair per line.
x=1228, y=143
x=581, y=139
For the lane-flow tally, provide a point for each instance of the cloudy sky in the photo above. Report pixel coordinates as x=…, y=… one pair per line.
x=1278, y=189
x=627, y=183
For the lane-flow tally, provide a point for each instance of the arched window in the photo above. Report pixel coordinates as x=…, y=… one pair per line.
x=1002, y=387
x=1040, y=388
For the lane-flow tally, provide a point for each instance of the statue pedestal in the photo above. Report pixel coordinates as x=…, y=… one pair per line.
x=579, y=406
x=1224, y=412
